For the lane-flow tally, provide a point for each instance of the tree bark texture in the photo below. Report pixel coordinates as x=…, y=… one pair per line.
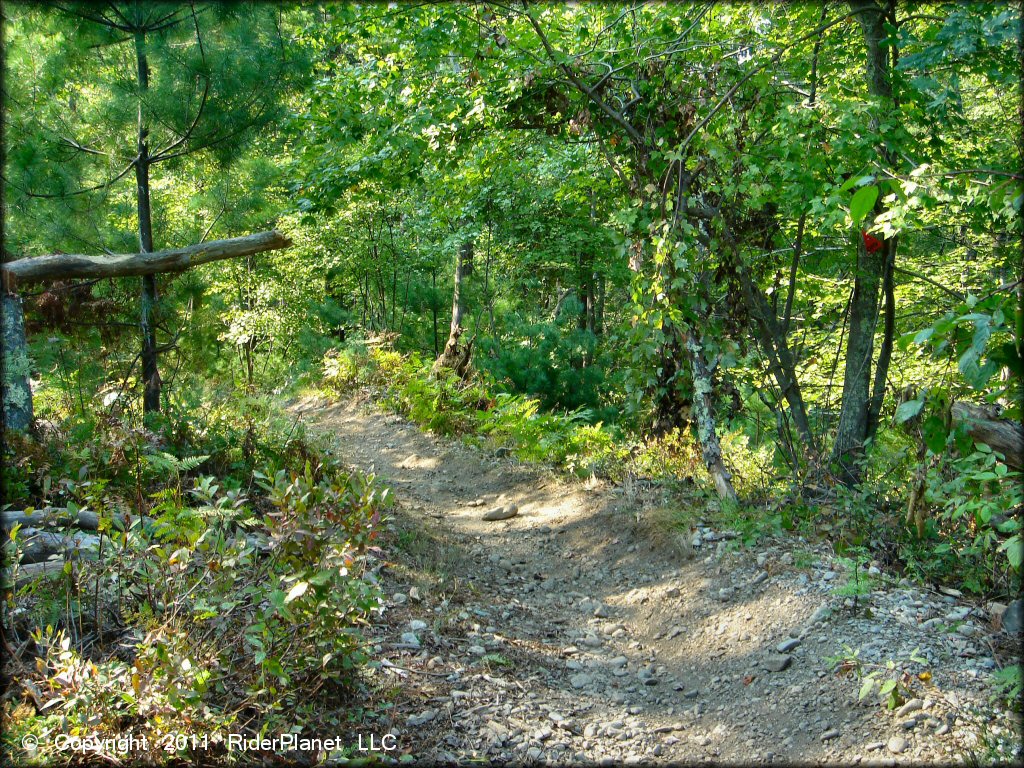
x=16, y=367
x=147, y=301
x=1002, y=435
x=862, y=393
x=66, y=265
x=704, y=416
x=456, y=356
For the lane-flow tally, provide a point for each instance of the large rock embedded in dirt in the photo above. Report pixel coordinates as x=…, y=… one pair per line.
x=501, y=513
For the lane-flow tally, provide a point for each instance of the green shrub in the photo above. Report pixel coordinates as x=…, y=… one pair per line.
x=226, y=601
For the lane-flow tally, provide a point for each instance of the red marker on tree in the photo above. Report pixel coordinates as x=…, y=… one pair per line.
x=871, y=243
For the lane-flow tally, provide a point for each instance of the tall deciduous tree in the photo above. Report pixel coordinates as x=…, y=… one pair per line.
x=863, y=392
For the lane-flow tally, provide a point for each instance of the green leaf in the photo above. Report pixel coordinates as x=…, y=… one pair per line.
x=862, y=202
x=908, y=410
x=935, y=434
x=1014, y=548
x=865, y=689
x=297, y=591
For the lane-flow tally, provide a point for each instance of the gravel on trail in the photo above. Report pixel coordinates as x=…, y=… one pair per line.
x=531, y=618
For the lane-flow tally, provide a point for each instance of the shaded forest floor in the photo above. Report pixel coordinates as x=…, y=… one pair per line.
x=581, y=630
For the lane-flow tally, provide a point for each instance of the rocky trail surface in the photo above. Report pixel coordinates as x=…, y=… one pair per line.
x=569, y=632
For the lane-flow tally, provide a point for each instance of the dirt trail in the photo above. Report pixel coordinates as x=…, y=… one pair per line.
x=563, y=634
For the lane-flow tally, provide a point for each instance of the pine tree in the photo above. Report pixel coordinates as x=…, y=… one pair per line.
x=111, y=90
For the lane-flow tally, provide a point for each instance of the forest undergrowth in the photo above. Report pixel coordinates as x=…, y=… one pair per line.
x=222, y=591
x=963, y=542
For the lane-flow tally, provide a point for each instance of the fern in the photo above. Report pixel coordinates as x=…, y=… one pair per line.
x=166, y=462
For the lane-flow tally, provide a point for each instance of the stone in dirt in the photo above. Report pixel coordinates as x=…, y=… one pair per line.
x=788, y=645
x=911, y=706
x=414, y=594
x=777, y=662
x=831, y=733
x=501, y=513
x=422, y=718
x=410, y=638
x=581, y=680
x=897, y=745
x=1013, y=617
x=821, y=614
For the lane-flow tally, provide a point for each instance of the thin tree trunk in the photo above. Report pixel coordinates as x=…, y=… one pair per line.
x=16, y=367
x=885, y=350
x=793, y=268
x=366, y=308
x=433, y=306
x=780, y=359
x=405, y=302
x=854, y=417
x=455, y=355
x=487, y=281
x=394, y=297
x=68, y=265
x=583, y=291
x=464, y=258
x=704, y=416
x=150, y=372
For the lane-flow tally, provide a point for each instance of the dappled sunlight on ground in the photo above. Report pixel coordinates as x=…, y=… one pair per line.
x=568, y=633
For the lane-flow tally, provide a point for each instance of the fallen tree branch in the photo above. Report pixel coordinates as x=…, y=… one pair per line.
x=84, y=519
x=22, y=574
x=66, y=265
x=1001, y=435
x=37, y=546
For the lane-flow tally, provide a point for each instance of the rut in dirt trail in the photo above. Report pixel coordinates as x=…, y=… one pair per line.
x=564, y=634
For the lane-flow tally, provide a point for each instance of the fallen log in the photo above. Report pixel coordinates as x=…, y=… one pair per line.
x=67, y=265
x=22, y=574
x=1001, y=435
x=37, y=546
x=84, y=519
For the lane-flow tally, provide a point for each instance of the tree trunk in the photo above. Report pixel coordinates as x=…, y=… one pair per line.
x=781, y=364
x=16, y=367
x=704, y=415
x=455, y=355
x=150, y=373
x=853, y=417
x=84, y=519
x=855, y=420
x=433, y=307
x=37, y=545
x=888, y=330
